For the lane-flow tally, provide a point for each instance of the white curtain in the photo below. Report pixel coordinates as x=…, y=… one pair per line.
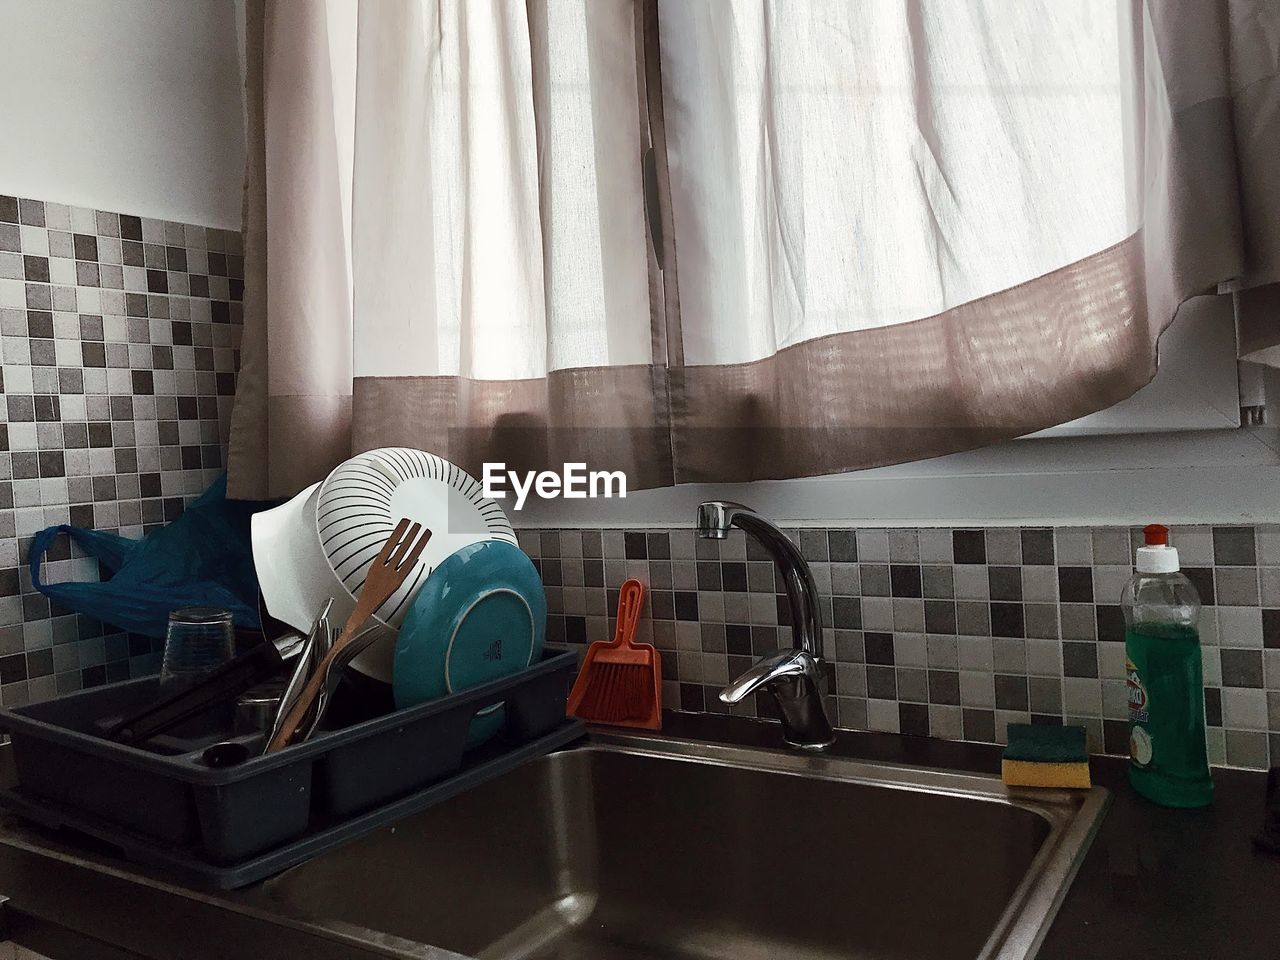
x=890, y=229
x=484, y=241
x=907, y=227
x=498, y=231
x=839, y=166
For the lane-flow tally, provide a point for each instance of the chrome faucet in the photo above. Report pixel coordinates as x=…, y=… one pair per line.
x=792, y=675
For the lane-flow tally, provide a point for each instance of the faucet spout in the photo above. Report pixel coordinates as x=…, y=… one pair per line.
x=793, y=675
x=717, y=517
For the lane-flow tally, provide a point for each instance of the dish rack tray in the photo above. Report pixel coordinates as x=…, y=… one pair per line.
x=233, y=826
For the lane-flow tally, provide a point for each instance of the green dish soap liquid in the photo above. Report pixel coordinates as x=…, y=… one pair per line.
x=1168, y=763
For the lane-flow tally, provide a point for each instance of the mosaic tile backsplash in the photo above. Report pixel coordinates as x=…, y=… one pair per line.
x=120, y=335
x=119, y=339
x=939, y=632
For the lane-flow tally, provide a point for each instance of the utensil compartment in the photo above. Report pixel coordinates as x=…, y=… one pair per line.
x=144, y=801
x=405, y=750
x=165, y=795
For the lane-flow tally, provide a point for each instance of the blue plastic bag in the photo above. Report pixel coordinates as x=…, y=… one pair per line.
x=204, y=558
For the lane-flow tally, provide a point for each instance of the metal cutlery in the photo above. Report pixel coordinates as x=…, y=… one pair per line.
x=385, y=575
x=319, y=640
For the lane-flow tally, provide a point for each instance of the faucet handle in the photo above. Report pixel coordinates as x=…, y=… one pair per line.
x=787, y=663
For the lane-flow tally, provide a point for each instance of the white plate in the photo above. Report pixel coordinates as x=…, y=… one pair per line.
x=322, y=542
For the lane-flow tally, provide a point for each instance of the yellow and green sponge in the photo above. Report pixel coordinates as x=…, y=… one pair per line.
x=1045, y=756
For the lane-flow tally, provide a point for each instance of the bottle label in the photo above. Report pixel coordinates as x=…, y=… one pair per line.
x=1140, y=745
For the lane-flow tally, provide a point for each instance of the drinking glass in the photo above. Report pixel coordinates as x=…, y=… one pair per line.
x=197, y=641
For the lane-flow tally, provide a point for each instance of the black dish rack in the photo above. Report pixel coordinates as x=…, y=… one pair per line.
x=229, y=827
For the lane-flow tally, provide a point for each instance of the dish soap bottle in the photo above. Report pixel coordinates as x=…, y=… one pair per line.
x=1168, y=763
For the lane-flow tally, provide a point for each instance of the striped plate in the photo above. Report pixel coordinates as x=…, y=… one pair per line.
x=359, y=505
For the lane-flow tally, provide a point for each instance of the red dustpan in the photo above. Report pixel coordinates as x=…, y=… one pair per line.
x=621, y=681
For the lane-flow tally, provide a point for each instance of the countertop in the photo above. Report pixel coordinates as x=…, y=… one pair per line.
x=1173, y=884
x=1159, y=883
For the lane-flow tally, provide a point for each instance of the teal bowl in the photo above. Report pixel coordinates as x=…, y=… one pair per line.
x=480, y=616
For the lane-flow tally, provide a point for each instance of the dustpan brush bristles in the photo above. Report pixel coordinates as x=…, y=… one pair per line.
x=618, y=692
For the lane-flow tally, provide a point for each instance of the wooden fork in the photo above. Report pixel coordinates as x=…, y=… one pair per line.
x=386, y=574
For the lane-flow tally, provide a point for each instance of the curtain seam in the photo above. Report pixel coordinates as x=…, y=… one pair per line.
x=649, y=74
x=649, y=47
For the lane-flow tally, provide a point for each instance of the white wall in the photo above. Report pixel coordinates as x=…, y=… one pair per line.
x=1223, y=476
x=131, y=106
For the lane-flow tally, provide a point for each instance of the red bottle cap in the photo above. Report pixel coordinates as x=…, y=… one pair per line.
x=1157, y=535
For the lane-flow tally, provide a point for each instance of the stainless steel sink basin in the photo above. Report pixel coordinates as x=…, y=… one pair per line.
x=630, y=848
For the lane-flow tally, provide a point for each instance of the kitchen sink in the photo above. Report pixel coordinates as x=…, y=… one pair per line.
x=637, y=848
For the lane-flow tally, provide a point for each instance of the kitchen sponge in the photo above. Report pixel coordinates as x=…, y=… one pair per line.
x=1045, y=756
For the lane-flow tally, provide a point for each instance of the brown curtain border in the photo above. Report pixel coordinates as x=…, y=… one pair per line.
x=610, y=418
x=1056, y=348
